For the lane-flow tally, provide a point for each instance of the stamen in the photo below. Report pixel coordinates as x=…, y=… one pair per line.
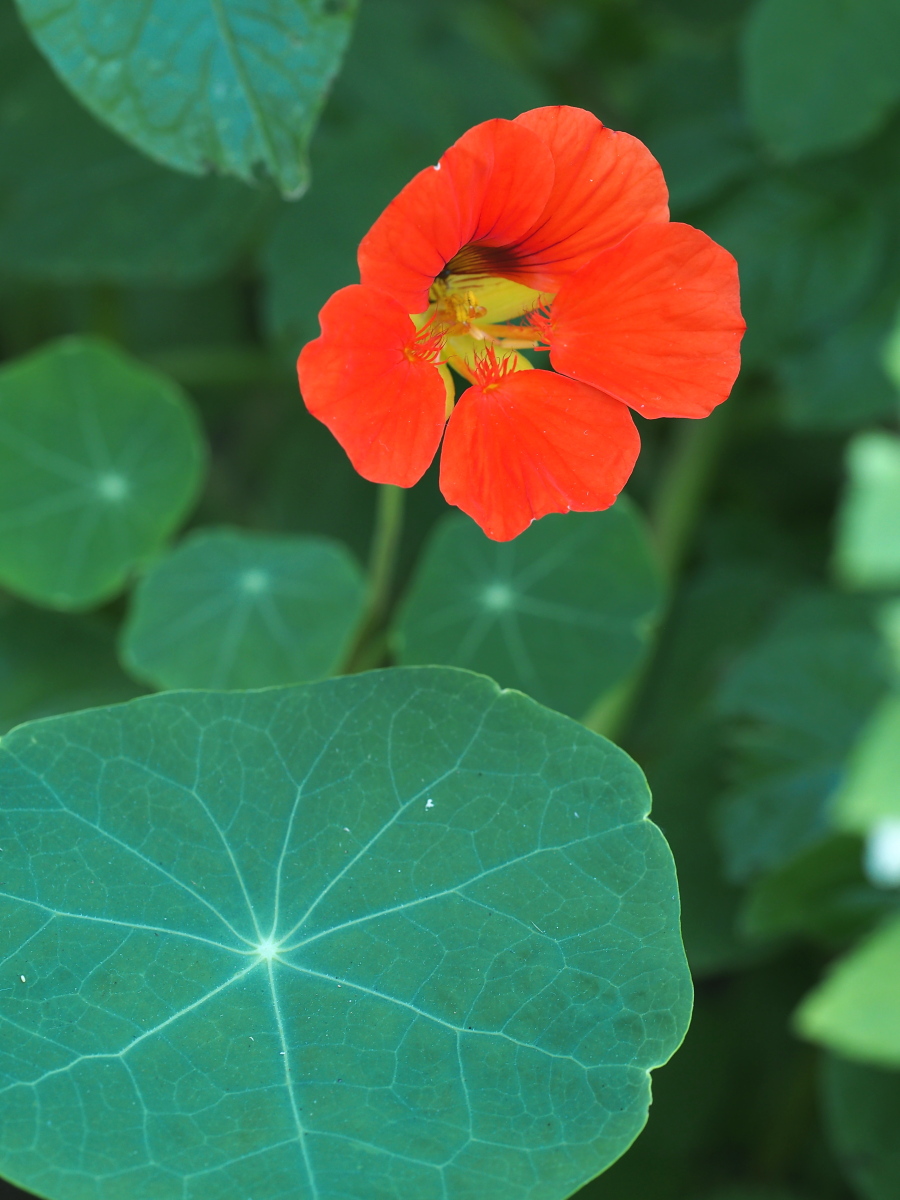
x=427, y=344
x=488, y=372
x=538, y=320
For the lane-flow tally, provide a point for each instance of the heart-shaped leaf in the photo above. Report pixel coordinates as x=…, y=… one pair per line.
x=393, y=935
x=228, y=85
x=100, y=459
x=229, y=609
x=563, y=612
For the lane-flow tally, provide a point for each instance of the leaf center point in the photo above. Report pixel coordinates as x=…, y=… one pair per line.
x=268, y=949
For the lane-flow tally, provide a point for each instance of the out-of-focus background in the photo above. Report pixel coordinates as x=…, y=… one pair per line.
x=763, y=719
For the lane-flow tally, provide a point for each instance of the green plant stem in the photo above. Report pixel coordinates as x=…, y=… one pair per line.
x=676, y=506
x=369, y=647
x=683, y=486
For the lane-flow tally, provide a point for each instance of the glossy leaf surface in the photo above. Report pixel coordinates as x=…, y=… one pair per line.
x=562, y=612
x=100, y=459
x=229, y=609
x=226, y=86
x=397, y=934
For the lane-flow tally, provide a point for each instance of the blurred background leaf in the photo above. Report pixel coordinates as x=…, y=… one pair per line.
x=795, y=703
x=820, y=74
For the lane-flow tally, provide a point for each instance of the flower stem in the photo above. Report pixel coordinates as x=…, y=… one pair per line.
x=369, y=647
x=683, y=487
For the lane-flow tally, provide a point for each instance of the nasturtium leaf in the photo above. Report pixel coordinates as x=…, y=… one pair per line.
x=808, y=257
x=795, y=704
x=397, y=934
x=820, y=75
x=868, y=544
x=55, y=662
x=563, y=612
x=230, y=609
x=224, y=86
x=78, y=204
x=862, y=1112
x=383, y=124
x=100, y=459
x=855, y=1011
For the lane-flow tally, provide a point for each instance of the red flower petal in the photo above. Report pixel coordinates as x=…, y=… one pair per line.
x=606, y=184
x=490, y=187
x=655, y=322
x=386, y=409
x=533, y=444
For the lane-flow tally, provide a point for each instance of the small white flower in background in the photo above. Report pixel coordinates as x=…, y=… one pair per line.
x=882, y=857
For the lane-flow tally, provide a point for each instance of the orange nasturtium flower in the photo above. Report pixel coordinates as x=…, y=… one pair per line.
x=561, y=226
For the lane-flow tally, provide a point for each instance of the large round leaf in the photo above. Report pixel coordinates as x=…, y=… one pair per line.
x=242, y=610
x=231, y=85
x=562, y=612
x=394, y=935
x=100, y=459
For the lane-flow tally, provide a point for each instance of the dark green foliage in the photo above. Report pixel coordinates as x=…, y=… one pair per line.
x=862, y=1106
x=751, y=694
x=820, y=74
x=795, y=704
x=79, y=205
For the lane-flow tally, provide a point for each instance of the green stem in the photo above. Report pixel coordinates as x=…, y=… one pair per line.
x=683, y=487
x=369, y=646
x=676, y=505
